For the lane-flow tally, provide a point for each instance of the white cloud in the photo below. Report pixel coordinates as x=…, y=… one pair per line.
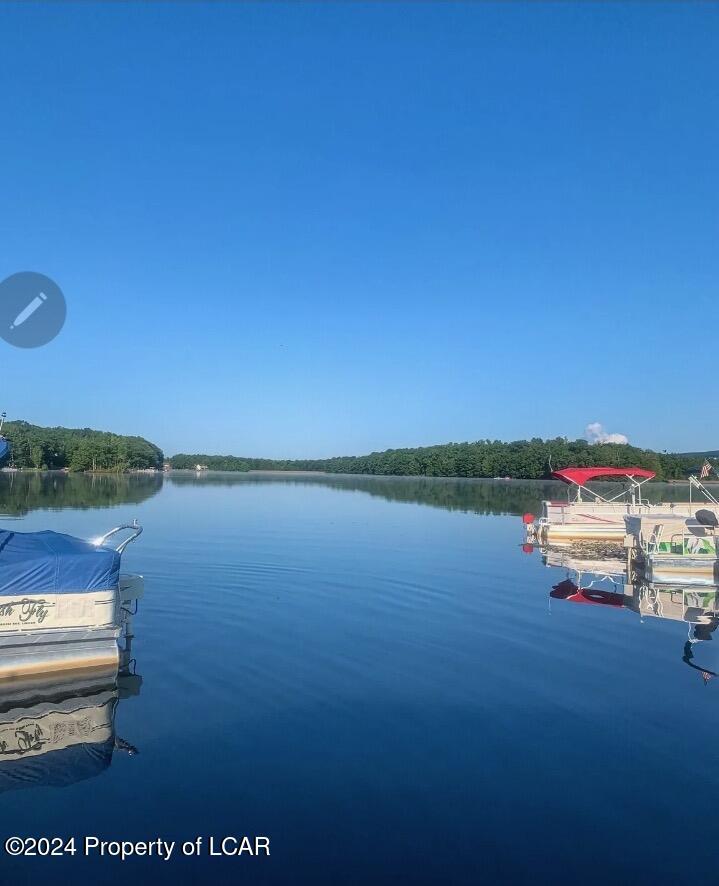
x=595, y=433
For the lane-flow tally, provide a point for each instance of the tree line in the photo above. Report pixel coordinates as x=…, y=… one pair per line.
x=88, y=450
x=533, y=459
x=78, y=449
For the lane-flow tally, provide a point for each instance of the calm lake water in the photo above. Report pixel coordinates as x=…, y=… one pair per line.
x=371, y=672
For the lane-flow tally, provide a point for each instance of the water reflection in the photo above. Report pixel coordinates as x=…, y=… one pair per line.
x=450, y=493
x=453, y=494
x=606, y=586
x=58, y=731
x=21, y=493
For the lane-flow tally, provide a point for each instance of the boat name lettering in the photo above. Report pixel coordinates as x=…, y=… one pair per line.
x=30, y=610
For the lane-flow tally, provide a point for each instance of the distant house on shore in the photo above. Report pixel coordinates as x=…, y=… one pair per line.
x=201, y=468
x=166, y=466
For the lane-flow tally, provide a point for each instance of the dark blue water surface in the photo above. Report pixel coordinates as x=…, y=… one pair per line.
x=370, y=672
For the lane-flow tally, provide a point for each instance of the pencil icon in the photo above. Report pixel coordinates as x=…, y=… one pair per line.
x=29, y=310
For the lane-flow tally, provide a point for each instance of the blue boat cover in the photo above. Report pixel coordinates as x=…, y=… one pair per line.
x=4, y=448
x=52, y=563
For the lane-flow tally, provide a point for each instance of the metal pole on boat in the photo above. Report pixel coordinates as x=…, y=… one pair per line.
x=702, y=488
x=3, y=416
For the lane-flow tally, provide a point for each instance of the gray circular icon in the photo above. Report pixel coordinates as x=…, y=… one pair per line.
x=32, y=309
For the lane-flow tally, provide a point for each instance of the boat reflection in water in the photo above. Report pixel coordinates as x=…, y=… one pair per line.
x=605, y=583
x=56, y=731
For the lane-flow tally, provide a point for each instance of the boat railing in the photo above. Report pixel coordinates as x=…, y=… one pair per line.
x=654, y=539
x=135, y=529
x=694, y=482
x=687, y=542
x=690, y=544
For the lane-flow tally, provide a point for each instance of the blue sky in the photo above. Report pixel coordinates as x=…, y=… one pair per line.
x=295, y=230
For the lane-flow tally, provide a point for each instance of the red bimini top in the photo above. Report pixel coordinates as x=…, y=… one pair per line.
x=581, y=476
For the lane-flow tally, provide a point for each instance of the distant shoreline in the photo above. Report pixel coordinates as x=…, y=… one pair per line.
x=36, y=448
x=268, y=472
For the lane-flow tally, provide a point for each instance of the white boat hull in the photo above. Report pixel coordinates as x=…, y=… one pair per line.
x=42, y=634
x=566, y=523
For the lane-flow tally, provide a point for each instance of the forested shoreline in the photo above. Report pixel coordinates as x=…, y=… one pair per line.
x=523, y=460
x=84, y=449
x=78, y=449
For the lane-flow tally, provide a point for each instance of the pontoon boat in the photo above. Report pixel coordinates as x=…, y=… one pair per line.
x=673, y=548
x=63, y=601
x=595, y=518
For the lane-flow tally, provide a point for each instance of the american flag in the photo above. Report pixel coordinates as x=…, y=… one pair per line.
x=706, y=677
x=706, y=469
